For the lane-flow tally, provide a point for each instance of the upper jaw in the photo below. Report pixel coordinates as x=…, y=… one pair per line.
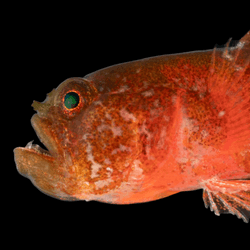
x=41, y=127
x=44, y=133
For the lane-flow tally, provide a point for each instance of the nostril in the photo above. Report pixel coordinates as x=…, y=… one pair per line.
x=40, y=107
x=36, y=105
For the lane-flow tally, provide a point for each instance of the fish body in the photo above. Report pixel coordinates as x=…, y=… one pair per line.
x=147, y=129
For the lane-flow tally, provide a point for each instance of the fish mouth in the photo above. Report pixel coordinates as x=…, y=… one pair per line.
x=43, y=131
x=37, y=149
x=33, y=155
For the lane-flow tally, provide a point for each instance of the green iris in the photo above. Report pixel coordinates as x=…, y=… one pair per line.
x=71, y=100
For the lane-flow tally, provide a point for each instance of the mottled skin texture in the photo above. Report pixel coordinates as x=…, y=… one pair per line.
x=143, y=130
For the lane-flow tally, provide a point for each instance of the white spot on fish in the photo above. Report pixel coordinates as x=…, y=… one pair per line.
x=86, y=136
x=166, y=118
x=227, y=56
x=240, y=45
x=124, y=148
x=138, y=70
x=161, y=142
x=135, y=179
x=103, y=127
x=102, y=183
x=109, y=169
x=221, y=113
x=174, y=97
x=107, y=161
x=196, y=128
x=195, y=162
x=156, y=103
x=238, y=68
x=204, y=133
x=106, y=182
x=199, y=82
x=195, y=88
x=148, y=93
x=137, y=171
x=98, y=103
x=123, y=89
x=95, y=167
x=117, y=131
x=108, y=116
x=121, y=148
x=126, y=115
x=154, y=113
x=183, y=160
x=176, y=80
x=186, y=80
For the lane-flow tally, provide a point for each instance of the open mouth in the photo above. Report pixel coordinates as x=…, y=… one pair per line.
x=37, y=148
x=33, y=158
x=43, y=131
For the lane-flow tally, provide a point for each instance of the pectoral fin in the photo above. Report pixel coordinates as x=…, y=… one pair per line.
x=232, y=196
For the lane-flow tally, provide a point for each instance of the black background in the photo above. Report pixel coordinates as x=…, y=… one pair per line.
x=48, y=51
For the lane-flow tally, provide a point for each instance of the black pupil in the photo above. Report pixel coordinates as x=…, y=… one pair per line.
x=71, y=100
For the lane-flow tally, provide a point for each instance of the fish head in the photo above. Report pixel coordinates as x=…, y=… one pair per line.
x=91, y=140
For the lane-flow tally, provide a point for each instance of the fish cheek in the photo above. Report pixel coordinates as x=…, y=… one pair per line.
x=107, y=144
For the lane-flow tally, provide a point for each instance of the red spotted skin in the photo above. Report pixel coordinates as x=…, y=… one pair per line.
x=180, y=134
x=146, y=129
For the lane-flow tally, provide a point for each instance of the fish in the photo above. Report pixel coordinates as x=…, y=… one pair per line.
x=144, y=130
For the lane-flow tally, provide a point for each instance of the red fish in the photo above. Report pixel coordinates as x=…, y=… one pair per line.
x=147, y=129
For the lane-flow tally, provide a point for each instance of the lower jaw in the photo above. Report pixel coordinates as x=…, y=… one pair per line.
x=28, y=161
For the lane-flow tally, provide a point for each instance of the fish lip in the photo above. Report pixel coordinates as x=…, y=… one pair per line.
x=41, y=127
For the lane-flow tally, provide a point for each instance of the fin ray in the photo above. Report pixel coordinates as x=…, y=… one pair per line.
x=229, y=89
x=232, y=196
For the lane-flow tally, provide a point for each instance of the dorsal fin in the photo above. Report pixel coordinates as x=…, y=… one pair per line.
x=229, y=89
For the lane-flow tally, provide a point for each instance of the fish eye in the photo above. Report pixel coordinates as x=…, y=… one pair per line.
x=71, y=100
